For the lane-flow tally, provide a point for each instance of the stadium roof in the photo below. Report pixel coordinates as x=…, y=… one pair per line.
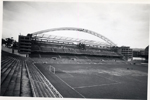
x=41, y=36
x=68, y=40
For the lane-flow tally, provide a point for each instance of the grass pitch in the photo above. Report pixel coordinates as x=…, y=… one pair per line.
x=110, y=81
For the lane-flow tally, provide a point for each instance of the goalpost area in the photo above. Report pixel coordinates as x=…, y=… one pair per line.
x=110, y=81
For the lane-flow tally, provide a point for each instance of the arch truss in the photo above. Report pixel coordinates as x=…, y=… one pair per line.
x=76, y=29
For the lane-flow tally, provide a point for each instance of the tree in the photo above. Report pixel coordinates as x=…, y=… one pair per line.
x=3, y=41
x=15, y=45
x=9, y=42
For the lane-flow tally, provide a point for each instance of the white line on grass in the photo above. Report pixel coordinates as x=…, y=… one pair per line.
x=107, y=78
x=135, y=79
x=97, y=85
x=65, y=72
x=68, y=74
x=47, y=81
x=69, y=86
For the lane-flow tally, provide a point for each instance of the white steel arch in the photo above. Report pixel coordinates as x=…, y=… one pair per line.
x=76, y=29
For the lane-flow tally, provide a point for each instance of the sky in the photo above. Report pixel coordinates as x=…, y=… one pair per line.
x=126, y=24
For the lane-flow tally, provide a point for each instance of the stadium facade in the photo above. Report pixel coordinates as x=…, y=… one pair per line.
x=39, y=43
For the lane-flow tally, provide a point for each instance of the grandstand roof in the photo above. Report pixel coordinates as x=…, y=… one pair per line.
x=40, y=36
x=68, y=40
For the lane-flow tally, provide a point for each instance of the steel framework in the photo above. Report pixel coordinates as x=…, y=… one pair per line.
x=73, y=29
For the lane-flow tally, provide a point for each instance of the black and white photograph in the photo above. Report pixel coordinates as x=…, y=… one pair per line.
x=75, y=49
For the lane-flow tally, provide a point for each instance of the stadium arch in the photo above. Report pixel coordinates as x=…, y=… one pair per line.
x=76, y=29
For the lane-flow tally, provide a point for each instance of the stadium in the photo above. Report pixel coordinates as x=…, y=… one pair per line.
x=64, y=67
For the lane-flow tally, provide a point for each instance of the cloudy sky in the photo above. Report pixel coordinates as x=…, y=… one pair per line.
x=126, y=24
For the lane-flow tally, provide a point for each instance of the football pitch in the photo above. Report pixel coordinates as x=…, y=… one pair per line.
x=103, y=81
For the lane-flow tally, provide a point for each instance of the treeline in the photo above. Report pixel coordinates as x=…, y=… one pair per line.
x=10, y=42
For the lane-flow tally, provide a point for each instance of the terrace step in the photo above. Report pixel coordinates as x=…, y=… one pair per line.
x=5, y=60
x=42, y=88
x=14, y=77
x=7, y=78
x=7, y=64
x=11, y=87
x=6, y=71
x=18, y=82
x=25, y=82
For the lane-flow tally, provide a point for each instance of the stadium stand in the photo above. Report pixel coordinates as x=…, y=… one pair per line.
x=69, y=50
x=14, y=77
x=21, y=78
x=57, y=53
x=42, y=87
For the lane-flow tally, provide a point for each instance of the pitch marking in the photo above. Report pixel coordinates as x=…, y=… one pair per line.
x=97, y=85
x=135, y=79
x=107, y=78
x=69, y=86
x=65, y=72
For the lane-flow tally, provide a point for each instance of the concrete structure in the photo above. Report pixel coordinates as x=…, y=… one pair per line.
x=35, y=34
x=146, y=52
x=137, y=52
x=24, y=44
x=126, y=52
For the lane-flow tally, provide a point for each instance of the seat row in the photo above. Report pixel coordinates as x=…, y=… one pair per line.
x=19, y=77
x=14, y=78
x=42, y=87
